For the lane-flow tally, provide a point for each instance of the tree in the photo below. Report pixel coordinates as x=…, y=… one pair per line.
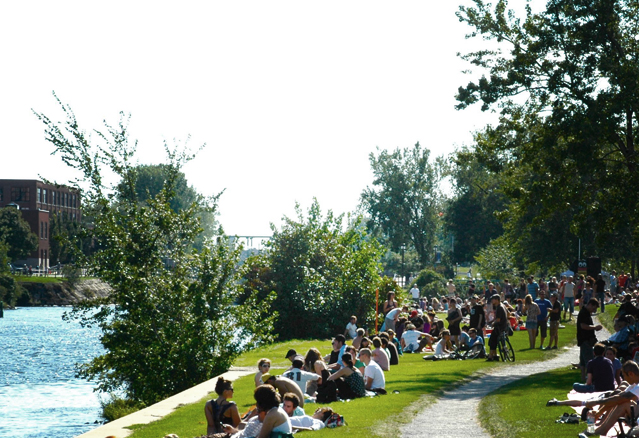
x=404, y=200
x=566, y=81
x=16, y=234
x=150, y=179
x=471, y=214
x=173, y=322
x=321, y=274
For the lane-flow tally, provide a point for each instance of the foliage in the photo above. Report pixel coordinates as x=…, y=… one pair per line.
x=470, y=215
x=10, y=289
x=404, y=200
x=393, y=262
x=16, y=234
x=565, y=81
x=431, y=283
x=496, y=260
x=150, y=179
x=170, y=321
x=66, y=238
x=72, y=273
x=115, y=407
x=320, y=273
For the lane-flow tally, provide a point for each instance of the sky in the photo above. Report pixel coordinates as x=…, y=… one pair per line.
x=289, y=97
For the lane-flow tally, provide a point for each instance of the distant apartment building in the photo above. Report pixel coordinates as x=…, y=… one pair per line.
x=37, y=202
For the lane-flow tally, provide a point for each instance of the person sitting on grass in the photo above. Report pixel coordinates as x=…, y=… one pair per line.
x=464, y=339
x=358, y=363
x=315, y=422
x=351, y=328
x=263, y=366
x=612, y=407
x=373, y=375
x=314, y=363
x=600, y=373
x=379, y=355
x=335, y=358
x=299, y=376
x=349, y=381
x=291, y=404
x=443, y=348
x=276, y=419
x=476, y=340
x=621, y=338
x=358, y=339
x=221, y=410
x=366, y=343
x=389, y=347
x=611, y=353
x=393, y=338
x=411, y=342
x=284, y=385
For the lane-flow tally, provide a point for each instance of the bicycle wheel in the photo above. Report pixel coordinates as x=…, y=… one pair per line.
x=508, y=352
x=474, y=352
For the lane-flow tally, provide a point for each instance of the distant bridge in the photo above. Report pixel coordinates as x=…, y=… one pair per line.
x=252, y=242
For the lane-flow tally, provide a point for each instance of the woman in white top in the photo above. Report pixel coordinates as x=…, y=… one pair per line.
x=276, y=420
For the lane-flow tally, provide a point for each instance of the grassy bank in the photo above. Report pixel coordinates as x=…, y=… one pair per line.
x=501, y=412
x=416, y=381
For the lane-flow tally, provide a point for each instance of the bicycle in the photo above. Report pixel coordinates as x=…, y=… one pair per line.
x=506, y=352
x=474, y=352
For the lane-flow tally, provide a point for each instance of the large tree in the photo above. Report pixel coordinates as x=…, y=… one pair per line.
x=404, y=200
x=566, y=82
x=16, y=234
x=173, y=321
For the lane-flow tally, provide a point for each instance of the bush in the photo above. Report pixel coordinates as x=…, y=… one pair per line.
x=116, y=407
x=10, y=289
x=430, y=283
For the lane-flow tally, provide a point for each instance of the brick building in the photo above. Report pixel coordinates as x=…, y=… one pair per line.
x=37, y=202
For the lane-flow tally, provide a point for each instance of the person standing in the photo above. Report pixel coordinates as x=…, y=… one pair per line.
x=613, y=284
x=415, y=293
x=542, y=319
x=600, y=291
x=569, y=298
x=509, y=292
x=451, y=288
x=555, y=315
x=533, y=287
x=586, y=336
x=477, y=315
x=500, y=325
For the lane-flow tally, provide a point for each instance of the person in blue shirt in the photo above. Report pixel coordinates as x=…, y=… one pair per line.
x=533, y=287
x=542, y=319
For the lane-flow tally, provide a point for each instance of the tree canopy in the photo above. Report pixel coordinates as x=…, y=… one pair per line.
x=566, y=83
x=404, y=200
x=171, y=321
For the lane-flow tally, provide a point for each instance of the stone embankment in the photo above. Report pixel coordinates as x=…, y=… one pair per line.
x=60, y=294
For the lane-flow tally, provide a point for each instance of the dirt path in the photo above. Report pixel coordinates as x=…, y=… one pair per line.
x=455, y=414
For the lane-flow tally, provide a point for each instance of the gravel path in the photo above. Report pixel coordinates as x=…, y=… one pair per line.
x=462, y=403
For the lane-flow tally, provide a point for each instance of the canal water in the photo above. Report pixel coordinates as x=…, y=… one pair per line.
x=39, y=393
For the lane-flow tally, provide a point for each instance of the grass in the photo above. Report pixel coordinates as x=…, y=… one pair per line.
x=519, y=408
x=37, y=279
x=501, y=411
x=418, y=383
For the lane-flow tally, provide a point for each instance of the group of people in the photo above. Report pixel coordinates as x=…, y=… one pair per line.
x=611, y=385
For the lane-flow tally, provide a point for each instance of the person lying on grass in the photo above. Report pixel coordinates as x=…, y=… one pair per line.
x=291, y=405
x=315, y=422
x=612, y=407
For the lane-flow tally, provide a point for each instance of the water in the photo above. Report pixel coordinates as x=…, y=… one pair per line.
x=39, y=394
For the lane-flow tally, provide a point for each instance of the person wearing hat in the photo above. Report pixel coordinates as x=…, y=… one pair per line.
x=299, y=376
x=284, y=385
x=621, y=338
x=500, y=325
x=290, y=355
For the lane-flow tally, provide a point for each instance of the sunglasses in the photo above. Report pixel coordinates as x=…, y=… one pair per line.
x=266, y=365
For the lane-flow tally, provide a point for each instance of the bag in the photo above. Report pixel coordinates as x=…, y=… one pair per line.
x=327, y=391
x=335, y=420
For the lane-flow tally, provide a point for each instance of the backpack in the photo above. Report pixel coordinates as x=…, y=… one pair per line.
x=327, y=392
x=218, y=413
x=335, y=420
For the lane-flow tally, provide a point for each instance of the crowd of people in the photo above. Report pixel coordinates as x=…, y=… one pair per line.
x=358, y=360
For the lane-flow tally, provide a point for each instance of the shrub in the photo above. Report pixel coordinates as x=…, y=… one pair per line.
x=430, y=283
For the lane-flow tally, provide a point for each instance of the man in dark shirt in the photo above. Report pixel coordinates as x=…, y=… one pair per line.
x=627, y=308
x=500, y=325
x=601, y=376
x=586, y=337
x=554, y=315
x=477, y=315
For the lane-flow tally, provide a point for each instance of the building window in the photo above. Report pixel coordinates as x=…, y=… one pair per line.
x=20, y=194
x=41, y=230
x=38, y=195
x=46, y=230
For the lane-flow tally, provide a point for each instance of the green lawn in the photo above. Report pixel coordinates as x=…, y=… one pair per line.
x=36, y=279
x=417, y=381
x=501, y=411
